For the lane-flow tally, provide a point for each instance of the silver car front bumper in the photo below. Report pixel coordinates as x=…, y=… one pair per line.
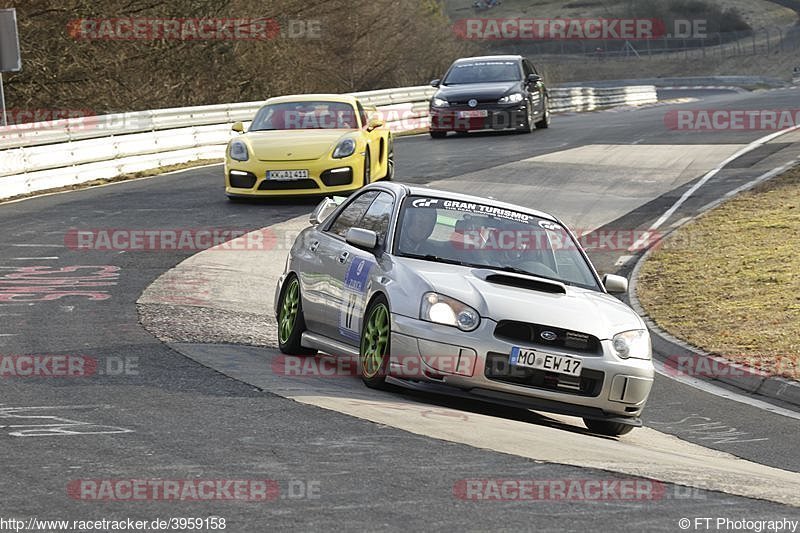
x=441, y=358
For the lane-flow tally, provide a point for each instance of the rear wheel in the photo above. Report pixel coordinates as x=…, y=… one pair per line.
x=290, y=319
x=375, y=344
x=438, y=134
x=390, y=163
x=604, y=427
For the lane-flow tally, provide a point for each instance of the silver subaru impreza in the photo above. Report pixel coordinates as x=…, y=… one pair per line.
x=466, y=296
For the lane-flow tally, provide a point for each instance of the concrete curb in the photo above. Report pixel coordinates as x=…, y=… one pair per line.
x=740, y=376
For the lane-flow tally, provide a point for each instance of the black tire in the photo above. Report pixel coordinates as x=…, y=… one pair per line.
x=390, y=163
x=527, y=126
x=374, y=376
x=604, y=427
x=367, y=167
x=438, y=134
x=290, y=343
x=545, y=122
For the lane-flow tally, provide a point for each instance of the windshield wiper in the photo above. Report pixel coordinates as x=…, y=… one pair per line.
x=436, y=258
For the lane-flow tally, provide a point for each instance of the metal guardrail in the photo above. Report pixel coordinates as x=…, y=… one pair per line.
x=36, y=157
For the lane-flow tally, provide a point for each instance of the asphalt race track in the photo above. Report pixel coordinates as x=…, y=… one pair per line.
x=147, y=411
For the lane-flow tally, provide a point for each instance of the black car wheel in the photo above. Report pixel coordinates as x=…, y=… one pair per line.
x=438, y=134
x=527, y=125
x=545, y=122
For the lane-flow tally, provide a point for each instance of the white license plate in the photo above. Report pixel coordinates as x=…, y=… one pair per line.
x=285, y=175
x=477, y=113
x=560, y=364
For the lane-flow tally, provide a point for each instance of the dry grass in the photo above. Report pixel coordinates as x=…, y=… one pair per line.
x=729, y=282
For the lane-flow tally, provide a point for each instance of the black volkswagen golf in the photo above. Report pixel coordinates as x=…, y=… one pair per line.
x=489, y=93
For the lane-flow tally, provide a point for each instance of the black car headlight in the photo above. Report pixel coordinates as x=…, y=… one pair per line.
x=440, y=102
x=345, y=148
x=511, y=99
x=633, y=344
x=238, y=151
x=444, y=310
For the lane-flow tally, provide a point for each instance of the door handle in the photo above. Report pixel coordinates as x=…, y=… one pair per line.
x=343, y=257
x=314, y=246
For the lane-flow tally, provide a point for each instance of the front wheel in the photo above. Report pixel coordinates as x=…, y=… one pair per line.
x=545, y=122
x=527, y=125
x=375, y=344
x=290, y=319
x=438, y=134
x=604, y=427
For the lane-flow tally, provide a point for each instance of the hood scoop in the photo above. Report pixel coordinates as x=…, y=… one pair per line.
x=531, y=284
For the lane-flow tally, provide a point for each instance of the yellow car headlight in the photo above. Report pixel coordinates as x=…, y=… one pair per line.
x=345, y=148
x=238, y=151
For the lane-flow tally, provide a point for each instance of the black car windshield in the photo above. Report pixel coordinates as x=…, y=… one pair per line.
x=307, y=115
x=482, y=235
x=483, y=72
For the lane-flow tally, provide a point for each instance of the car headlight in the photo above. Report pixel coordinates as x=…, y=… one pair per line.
x=633, y=344
x=443, y=310
x=345, y=148
x=239, y=151
x=439, y=102
x=510, y=99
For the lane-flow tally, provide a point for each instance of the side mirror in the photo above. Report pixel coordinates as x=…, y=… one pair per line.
x=534, y=78
x=362, y=238
x=323, y=211
x=436, y=82
x=374, y=122
x=238, y=127
x=615, y=284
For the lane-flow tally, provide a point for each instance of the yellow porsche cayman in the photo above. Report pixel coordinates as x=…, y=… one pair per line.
x=308, y=144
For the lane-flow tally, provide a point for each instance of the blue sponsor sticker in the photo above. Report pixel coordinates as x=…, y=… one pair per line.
x=514, y=355
x=356, y=277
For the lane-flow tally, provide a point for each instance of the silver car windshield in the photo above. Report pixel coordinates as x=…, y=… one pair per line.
x=480, y=235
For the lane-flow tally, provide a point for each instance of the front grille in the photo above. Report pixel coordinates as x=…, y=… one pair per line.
x=589, y=383
x=531, y=334
x=242, y=182
x=481, y=101
x=332, y=179
x=276, y=185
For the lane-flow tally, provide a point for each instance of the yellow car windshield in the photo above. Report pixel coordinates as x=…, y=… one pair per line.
x=310, y=115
